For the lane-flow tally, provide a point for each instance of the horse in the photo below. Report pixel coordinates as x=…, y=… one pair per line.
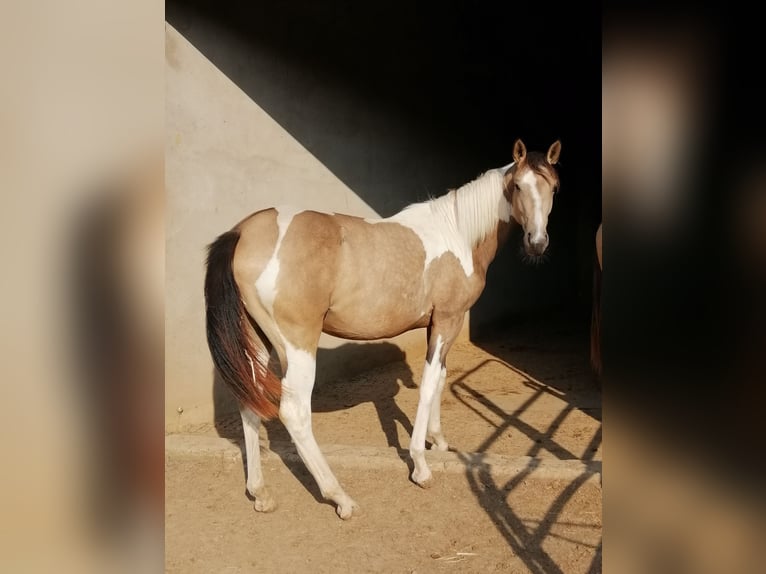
x=282, y=276
x=595, y=321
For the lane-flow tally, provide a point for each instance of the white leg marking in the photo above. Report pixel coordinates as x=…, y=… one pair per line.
x=434, y=420
x=266, y=284
x=428, y=385
x=251, y=423
x=295, y=412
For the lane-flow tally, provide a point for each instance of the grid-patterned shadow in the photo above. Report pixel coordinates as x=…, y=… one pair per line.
x=526, y=537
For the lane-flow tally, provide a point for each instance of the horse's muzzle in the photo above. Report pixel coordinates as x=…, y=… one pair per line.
x=535, y=247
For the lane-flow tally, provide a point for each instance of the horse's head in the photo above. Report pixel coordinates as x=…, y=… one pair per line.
x=530, y=185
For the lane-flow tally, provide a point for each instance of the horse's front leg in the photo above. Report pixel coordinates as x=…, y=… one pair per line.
x=434, y=418
x=441, y=337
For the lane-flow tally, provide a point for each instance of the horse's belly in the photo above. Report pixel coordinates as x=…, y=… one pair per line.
x=368, y=325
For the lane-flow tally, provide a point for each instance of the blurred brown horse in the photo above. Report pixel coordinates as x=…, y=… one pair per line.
x=595, y=324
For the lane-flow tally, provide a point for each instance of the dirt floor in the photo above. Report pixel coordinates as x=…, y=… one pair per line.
x=526, y=400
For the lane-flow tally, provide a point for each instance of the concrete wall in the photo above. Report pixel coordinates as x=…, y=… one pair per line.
x=225, y=158
x=363, y=109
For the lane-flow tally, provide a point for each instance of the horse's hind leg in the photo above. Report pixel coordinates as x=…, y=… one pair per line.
x=251, y=423
x=295, y=413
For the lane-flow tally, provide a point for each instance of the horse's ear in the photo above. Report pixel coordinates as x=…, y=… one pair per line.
x=553, y=152
x=519, y=151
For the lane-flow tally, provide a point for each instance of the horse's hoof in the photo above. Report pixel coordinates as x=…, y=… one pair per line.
x=266, y=504
x=427, y=483
x=346, y=511
x=443, y=447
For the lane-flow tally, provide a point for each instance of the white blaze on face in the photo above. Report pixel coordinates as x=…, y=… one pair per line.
x=538, y=219
x=266, y=284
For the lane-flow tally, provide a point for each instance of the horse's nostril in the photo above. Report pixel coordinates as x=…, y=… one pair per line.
x=529, y=236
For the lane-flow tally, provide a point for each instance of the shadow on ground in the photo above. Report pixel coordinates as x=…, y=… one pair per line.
x=522, y=351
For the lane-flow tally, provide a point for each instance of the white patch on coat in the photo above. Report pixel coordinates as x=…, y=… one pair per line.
x=437, y=236
x=458, y=221
x=266, y=284
x=301, y=366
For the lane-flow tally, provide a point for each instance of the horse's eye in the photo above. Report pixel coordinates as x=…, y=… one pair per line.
x=516, y=187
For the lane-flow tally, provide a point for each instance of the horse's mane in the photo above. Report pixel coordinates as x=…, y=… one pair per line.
x=474, y=208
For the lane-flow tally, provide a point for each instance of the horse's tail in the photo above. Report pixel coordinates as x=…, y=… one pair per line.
x=595, y=320
x=239, y=354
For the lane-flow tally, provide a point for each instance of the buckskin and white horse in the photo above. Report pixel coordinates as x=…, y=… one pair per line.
x=283, y=276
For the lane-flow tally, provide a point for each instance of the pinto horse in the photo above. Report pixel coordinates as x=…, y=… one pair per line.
x=282, y=276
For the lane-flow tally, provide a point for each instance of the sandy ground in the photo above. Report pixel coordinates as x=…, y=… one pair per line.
x=527, y=399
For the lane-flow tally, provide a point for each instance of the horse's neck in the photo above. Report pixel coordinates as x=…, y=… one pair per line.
x=474, y=219
x=484, y=253
x=483, y=215
x=474, y=210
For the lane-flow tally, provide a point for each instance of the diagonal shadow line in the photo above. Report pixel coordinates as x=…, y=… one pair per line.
x=531, y=521
x=527, y=545
x=490, y=406
x=596, y=563
x=590, y=450
x=477, y=412
x=389, y=429
x=540, y=388
x=529, y=380
x=388, y=421
x=512, y=421
x=558, y=505
x=546, y=436
x=572, y=540
x=510, y=526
